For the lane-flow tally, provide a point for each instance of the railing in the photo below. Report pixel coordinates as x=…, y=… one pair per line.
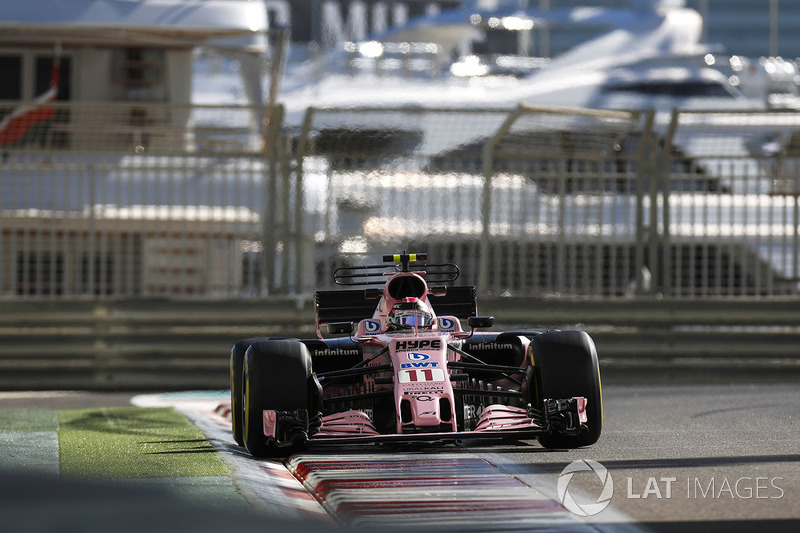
x=139, y=201
x=185, y=344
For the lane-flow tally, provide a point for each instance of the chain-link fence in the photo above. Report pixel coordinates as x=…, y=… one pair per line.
x=137, y=200
x=730, y=220
x=561, y=202
x=144, y=200
x=528, y=202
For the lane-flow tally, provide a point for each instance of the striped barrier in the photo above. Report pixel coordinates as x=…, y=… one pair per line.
x=427, y=491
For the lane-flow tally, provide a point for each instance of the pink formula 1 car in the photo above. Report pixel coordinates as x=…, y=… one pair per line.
x=406, y=370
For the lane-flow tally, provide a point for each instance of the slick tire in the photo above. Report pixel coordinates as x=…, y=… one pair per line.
x=237, y=387
x=275, y=375
x=566, y=366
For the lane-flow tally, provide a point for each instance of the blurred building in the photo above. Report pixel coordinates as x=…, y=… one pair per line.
x=740, y=26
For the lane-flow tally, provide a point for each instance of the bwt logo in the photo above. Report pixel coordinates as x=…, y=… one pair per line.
x=419, y=365
x=418, y=357
x=371, y=326
x=447, y=324
x=590, y=509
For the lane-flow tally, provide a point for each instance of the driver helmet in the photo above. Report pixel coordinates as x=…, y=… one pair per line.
x=410, y=312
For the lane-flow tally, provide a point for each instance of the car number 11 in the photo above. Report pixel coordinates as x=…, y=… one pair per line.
x=421, y=374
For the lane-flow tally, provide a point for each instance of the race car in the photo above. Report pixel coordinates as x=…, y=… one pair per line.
x=404, y=369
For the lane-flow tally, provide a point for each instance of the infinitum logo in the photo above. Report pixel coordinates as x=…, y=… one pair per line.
x=586, y=509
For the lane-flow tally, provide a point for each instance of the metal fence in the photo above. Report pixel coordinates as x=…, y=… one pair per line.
x=735, y=232
x=120, y=201
x=132, y=201
x=528, y=202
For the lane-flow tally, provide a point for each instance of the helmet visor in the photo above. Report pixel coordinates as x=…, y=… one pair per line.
x=413, y=318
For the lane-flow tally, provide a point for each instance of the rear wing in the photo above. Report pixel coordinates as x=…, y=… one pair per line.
x=353, y=305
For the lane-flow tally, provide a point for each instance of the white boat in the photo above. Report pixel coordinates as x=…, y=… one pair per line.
x=654, y=44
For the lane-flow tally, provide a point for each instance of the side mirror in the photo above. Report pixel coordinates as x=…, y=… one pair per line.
x=340, y=328
x=372, y=294
x=438, y=290
x=480, y=321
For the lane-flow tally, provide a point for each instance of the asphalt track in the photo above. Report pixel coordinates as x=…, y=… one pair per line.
x=682, y=458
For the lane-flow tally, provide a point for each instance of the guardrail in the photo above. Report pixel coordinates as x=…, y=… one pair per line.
x=178, y=345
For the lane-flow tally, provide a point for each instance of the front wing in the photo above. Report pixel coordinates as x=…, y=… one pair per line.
x=565, y=416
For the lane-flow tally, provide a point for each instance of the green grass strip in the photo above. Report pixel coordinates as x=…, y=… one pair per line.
x=133, y=442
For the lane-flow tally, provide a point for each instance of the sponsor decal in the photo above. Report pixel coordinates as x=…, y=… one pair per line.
x=490, y=346
x=418, y=356
x=447, y=324
x=424, y=390
x=419, y=365
x=336, y=351
x=472, y=412
x=372, y=326
x=413, y=345
x=424, y=398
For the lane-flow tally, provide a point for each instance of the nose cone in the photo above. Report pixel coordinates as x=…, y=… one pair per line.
x=426, y=414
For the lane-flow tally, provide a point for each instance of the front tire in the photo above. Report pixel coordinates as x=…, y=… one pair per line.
x=276, y=375
x=566, y=366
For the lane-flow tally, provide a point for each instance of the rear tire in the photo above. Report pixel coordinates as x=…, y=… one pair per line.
x=237, y=405
x=566, y=366
x=237, y=388
x=275, y=376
